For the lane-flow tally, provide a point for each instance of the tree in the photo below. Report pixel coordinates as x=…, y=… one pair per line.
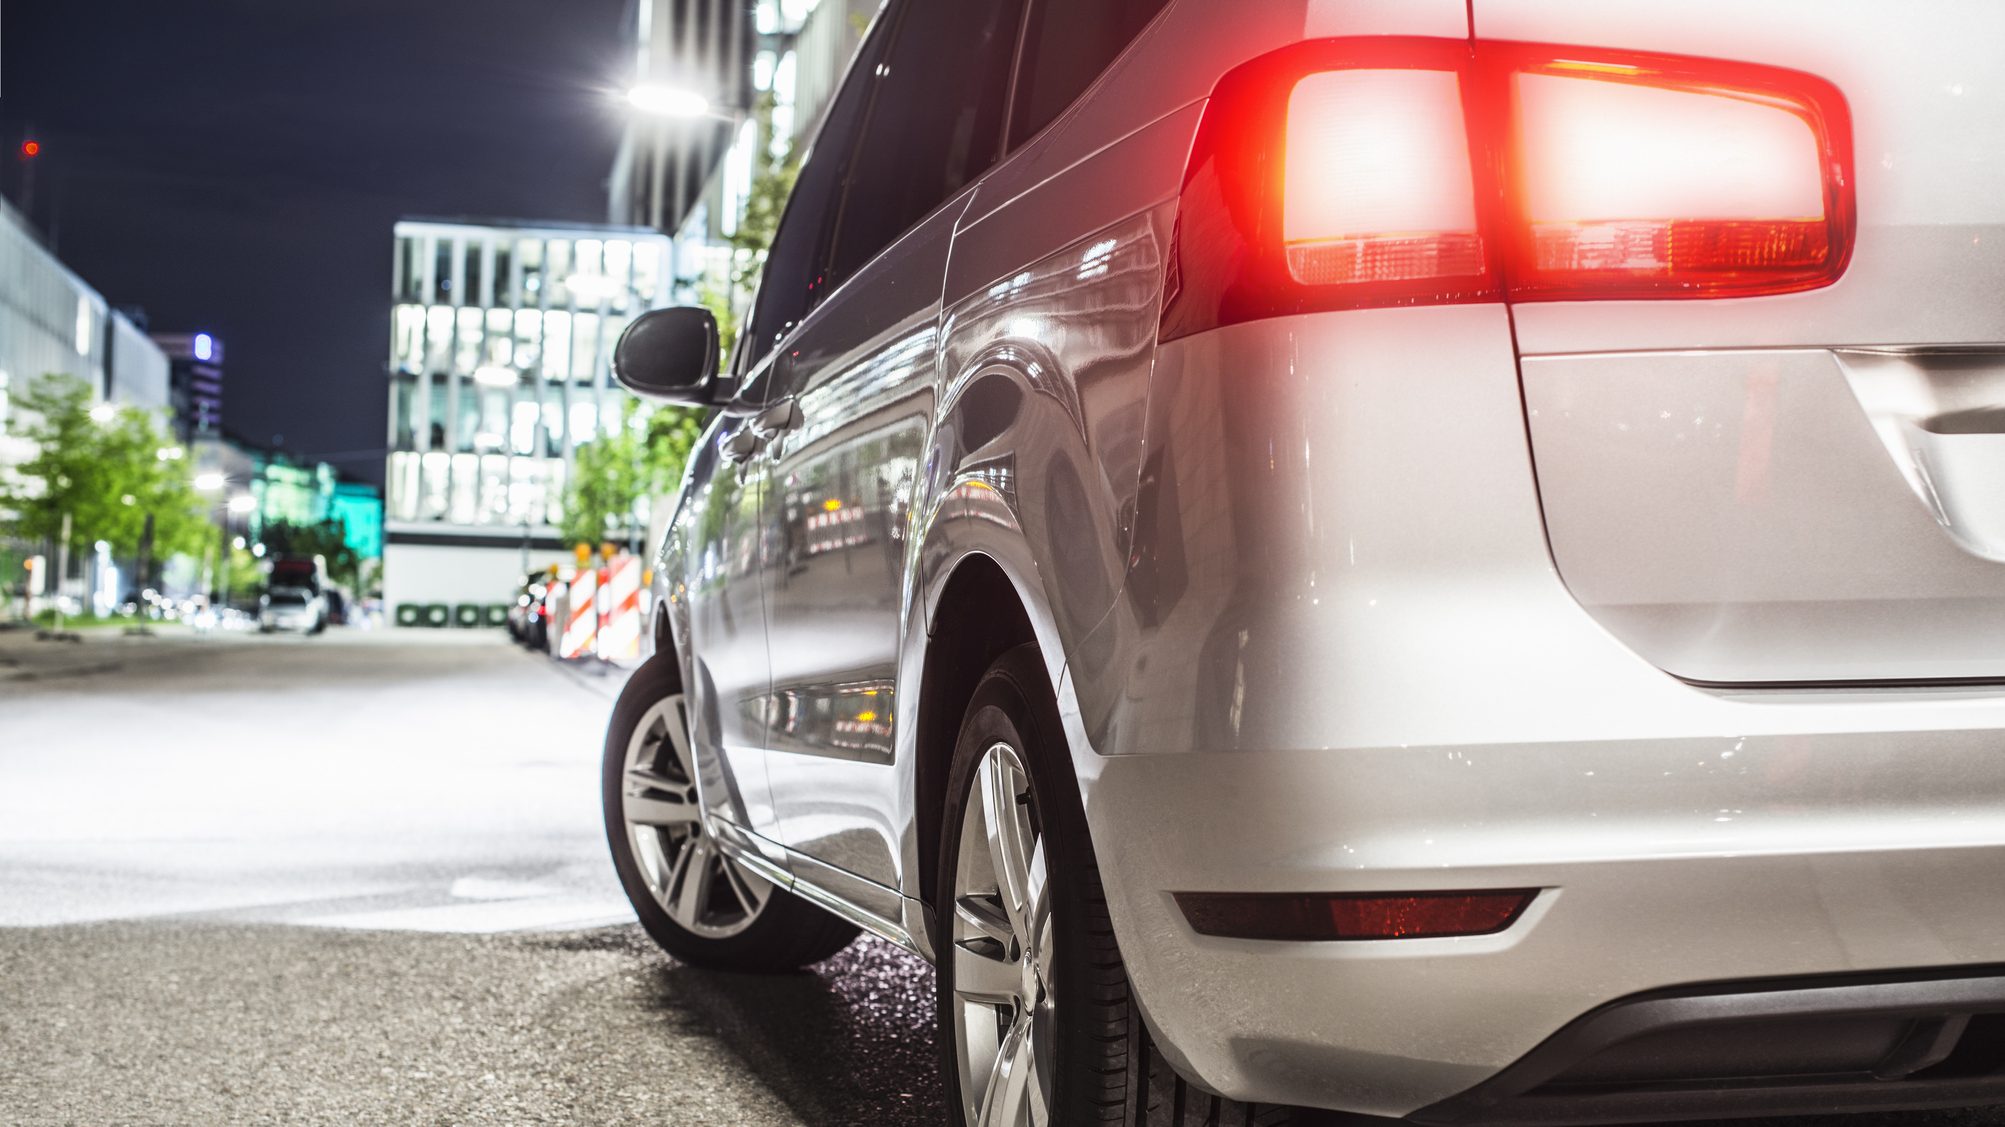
x=106, y=468
x=616, y=476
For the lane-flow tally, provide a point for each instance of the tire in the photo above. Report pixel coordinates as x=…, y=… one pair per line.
x=695, y=902
x=1084, y=1056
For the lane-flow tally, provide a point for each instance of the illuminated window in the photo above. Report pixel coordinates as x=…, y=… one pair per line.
x=585, y=347
x=556, y=346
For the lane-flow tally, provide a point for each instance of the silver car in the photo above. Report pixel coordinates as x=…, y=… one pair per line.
x=1439, y=559
x=300, y=609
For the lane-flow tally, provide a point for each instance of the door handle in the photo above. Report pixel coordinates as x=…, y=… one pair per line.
x=780, y=417
x=742, y=445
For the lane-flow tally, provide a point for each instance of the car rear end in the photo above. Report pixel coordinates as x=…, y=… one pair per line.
x=288, y=608
x=1560, y=678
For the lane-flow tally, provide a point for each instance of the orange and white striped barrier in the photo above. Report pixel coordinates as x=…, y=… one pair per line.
x=619, y=630
x=581, y=616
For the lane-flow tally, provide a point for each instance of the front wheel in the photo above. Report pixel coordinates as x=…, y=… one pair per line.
x=1038, y=1022
x=699, y=904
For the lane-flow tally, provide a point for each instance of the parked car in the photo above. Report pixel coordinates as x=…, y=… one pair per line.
x=1439, y=560
x=292, y=608
x=546, y=619
x=527, y=606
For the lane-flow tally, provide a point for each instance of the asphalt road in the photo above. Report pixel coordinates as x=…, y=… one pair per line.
x=359, y=879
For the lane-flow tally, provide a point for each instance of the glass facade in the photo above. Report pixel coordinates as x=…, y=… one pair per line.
x=501, y=362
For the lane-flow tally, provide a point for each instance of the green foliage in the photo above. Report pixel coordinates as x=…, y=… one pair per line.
x=327, y=539
x=616, y=476
x=243, y=578
x=107, y=474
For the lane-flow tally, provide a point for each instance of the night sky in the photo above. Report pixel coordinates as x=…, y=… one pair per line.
x=235, y=166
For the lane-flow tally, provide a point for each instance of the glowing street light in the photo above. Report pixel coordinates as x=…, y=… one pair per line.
x=243, y=503
x=170, y=453
x=103, y=413
x=208, y=482
x=668, y=101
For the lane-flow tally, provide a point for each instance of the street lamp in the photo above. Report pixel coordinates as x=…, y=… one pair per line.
x=243, y=503
x=668, y=101
x=209, y=482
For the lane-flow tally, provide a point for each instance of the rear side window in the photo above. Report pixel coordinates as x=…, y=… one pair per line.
x=1066, y=45
x=936, y=119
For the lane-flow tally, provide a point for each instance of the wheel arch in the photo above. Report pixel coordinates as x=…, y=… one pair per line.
x=978, y=617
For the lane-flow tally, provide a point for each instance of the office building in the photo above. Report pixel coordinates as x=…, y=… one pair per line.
x=53, y=323
x=196, y=386
x=500, y=367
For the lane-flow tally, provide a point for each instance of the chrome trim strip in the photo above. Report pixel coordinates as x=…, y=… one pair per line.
x=814, y=894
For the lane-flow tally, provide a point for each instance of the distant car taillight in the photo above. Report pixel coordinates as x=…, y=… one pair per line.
x=1348, y=173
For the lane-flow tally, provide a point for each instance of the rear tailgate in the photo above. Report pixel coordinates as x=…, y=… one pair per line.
x=1805, y=487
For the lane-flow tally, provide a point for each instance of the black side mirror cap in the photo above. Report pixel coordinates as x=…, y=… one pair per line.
x=670, y=355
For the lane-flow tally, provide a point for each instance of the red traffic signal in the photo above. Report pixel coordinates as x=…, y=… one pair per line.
x=31, y=149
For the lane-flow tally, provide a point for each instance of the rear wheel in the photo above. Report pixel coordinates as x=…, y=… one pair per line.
x=699, y=904
x=1038, y=1023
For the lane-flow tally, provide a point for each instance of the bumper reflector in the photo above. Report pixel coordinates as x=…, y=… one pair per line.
x=1302, y=917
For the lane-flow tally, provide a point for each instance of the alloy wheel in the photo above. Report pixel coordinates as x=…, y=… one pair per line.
x=1002, y=951
x=699, y=887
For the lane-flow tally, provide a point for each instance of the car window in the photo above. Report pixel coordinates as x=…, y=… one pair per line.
x=793, y=277
x=1066, y=44
x=936, y=119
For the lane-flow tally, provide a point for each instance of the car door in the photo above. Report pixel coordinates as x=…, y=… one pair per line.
x=855, y=414
x=728, y=511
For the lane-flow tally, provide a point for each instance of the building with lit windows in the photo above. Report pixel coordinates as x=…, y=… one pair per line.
x=691, y=176
x=500, y=367
x=195, y=387
x=53, y=323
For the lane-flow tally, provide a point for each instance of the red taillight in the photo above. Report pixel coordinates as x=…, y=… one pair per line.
x=1311, y=917
x=1654, y=176
x=1341, y=174
x=1376, y=183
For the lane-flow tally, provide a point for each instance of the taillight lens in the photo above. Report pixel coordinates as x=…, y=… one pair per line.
x=1341, y=174
x=1376, y=184
x=1667, y=177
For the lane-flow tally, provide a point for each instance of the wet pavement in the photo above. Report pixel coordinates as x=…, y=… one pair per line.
x=192, y=1023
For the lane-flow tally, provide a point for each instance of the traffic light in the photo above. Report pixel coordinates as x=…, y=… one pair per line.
x=30, y=149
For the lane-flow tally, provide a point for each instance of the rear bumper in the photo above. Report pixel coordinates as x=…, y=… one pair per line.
x=1790, y=1047
x=1344, y=663
x=1662, y=864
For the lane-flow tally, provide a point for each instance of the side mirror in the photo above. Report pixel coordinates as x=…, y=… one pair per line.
x=670, y=355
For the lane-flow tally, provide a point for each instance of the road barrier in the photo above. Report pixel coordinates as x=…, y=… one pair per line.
x=466, y=615
x=619, y=624
x=581, y=616
x=494, y=614
x=410, y=614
